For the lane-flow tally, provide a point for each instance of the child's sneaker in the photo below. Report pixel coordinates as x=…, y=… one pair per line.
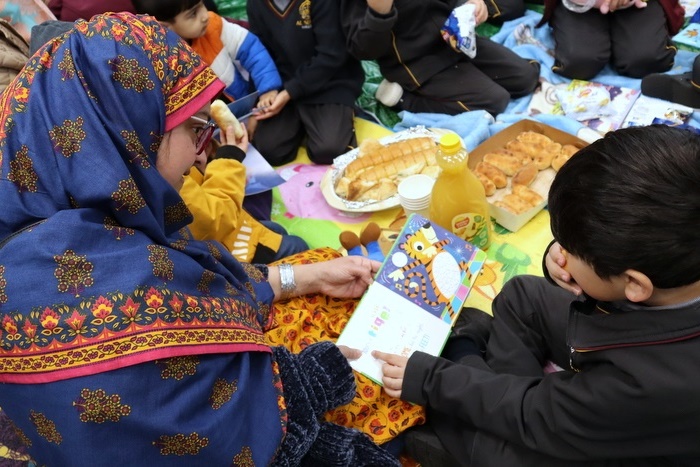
x=389, y=93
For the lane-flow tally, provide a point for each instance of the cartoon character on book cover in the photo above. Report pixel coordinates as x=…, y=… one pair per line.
x=429, y=269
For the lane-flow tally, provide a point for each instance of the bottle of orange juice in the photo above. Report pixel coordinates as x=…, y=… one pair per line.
x=458, y=202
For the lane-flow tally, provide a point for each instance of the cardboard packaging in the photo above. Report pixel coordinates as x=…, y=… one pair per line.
x=543, y=181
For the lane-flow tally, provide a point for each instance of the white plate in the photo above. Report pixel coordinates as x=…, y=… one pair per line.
x=327, y=181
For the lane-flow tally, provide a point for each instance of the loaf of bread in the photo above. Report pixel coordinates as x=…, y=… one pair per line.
x=504, y=161
x=489, y=186
x=378, y=169
x=224, y=118
x=372, y=154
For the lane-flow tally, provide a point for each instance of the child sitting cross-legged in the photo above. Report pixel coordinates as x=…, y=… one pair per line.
x=619, y=311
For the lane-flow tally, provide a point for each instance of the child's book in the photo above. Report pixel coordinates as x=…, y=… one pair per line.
x=647, y=109
x=416, y=296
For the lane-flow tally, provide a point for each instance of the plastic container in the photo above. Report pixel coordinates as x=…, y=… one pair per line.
x=458, y=202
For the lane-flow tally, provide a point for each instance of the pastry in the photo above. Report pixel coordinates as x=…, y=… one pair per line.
x=508, y=163
x=489, y=186
x=224, y=118
x=530, y=196
x=496, y=175
x=526, y=175
x=534, y=138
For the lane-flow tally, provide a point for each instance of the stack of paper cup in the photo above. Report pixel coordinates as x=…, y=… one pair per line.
x=414, y=194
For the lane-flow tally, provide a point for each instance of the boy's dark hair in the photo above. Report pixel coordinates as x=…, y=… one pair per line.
x=163, y=10
x=632, y=201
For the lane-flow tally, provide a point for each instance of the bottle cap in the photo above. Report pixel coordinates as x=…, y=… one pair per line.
x=450, y=143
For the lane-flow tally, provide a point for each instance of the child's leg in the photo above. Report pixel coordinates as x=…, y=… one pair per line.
x=291, y=244
x=637, y=55
x=529, y=327
x=582, y=42
x=457, y=89
x=515, y=74
x=278, y=138
x=330, y=130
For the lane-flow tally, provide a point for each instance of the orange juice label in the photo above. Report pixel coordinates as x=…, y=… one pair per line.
x=472, y=227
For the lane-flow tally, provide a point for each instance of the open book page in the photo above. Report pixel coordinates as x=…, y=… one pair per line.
x=416, y=296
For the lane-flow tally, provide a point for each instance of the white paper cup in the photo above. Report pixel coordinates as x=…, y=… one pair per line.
x=414, y=194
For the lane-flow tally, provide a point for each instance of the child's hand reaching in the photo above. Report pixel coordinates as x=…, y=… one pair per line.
x=555, y=262
x=267, y=99
x=393, y=370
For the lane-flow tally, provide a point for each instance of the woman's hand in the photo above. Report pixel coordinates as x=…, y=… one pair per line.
x=346, y=277
x=349, y=352
x=555, y=261
x=393, y=370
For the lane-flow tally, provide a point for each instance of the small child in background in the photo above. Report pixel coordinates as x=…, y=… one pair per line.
x=235, y=54
x=214, y=195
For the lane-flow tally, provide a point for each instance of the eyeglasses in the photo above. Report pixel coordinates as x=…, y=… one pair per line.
x=203, y=133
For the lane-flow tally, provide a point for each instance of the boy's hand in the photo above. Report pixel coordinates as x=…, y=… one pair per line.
x=393, y=370
x=273, y=109
x=382, y=7
x=481, y=13
x=229, y=137
x=555, y=261
x=267, y=99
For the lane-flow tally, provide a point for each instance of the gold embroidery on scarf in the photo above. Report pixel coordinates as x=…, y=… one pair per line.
x=205, y=281
x=135, y=148
x=67, y=137
x=45, y=427
x=176, y=213
x=128, y=73
x=178, y=367
x=119, y=231
x=181, y=445
x=214, y=250
x=3, y=284
x=181, y=97
x=244, y=458
x=222, y=392
x=162, y=265
x=180, y=244
x=73, y=272
x=98, y=407
x=156, y=140
x=128, y=196
x=67, y=66
x=22, y=171
x=22, y=437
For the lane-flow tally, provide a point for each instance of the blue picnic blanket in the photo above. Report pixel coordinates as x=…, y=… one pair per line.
x=523, y=38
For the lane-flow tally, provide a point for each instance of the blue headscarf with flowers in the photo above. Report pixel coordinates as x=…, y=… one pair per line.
x=97, y=269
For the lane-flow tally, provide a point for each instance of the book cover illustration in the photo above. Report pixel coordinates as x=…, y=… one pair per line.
x=416, y=296
x=648, y=109
x=601, y=107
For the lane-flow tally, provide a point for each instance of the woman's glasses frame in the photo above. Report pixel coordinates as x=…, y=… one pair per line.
x=203, y=133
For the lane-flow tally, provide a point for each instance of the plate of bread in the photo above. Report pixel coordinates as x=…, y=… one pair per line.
x=366, y=178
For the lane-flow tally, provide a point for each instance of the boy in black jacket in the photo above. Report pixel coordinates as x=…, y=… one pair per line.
x=624, y=215
x=321, y=80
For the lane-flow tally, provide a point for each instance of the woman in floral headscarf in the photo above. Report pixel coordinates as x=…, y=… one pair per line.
x=123, y=340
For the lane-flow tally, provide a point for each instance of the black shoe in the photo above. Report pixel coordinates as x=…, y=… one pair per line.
x=423, y=445
x=680, y=89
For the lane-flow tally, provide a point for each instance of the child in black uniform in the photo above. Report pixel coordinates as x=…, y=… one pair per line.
x=623, y=323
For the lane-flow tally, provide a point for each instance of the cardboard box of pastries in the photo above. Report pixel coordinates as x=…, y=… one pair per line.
x=517, y=166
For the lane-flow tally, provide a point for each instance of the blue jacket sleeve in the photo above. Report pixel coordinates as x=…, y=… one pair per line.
x=257, y=60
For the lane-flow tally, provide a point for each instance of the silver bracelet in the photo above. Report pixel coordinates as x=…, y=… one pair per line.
x=287, y=283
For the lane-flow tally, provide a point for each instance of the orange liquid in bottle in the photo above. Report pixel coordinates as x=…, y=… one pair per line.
x=458, y=202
